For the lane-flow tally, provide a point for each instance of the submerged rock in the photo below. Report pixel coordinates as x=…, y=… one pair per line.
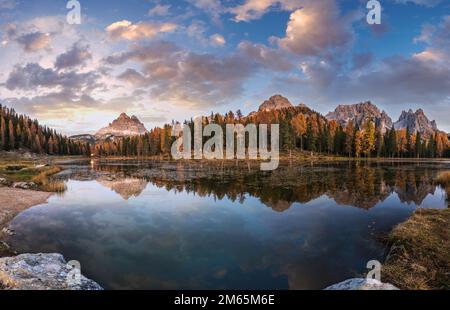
x=42, y=272
x=359, y=284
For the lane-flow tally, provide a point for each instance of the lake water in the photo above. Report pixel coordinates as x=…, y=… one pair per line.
x=142, y=225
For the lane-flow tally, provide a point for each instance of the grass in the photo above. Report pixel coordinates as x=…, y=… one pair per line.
x=46, y=184
x=25, y=171
x=444, y=179
x=420, y=255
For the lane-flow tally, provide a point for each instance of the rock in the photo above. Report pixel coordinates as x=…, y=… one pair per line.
x=38, y=167
x=25, y=185
x=8, y=231
x=359, y=114
x=276, y=102
x=360, y=284
x=41, y=272
x=416, y=122
x=4, y=182
x=124, y=126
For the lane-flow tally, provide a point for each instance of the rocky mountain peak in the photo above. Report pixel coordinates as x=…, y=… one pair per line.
x=276, y=102
x=359, y=114
x=416, y=122
x=123, y=126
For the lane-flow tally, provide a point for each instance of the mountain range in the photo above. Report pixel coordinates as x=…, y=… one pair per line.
x=358, y=114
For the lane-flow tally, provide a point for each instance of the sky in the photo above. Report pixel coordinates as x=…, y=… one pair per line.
x=171, y=60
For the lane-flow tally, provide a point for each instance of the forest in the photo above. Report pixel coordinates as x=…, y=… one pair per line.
x=301, y=129
x=18, y=131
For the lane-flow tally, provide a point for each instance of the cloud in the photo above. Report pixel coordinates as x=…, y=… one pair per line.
x=217, y=40
x=213, y=8
x=133, y=77
x=437, y=39
x=34, y=41
x=7, y=4
x=126, y=30
x=29, y=40
x=32, y=76
x=176, y=75
x=394, y=83
x=77, y=56
x=316, y=28
x=159, y=10
x=437, y=36
x=144, y=53
x=255, y=9
x=428, y=3
x=198, y=31
x=361, y=60
x=272, y=59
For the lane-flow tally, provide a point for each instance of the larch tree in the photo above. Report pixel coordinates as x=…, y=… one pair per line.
x=369, y=138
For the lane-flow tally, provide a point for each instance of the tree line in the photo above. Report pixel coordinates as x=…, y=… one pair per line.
x=18, y=131
x=300, y=129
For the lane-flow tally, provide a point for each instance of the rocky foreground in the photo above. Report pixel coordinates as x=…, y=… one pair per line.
x=360, y=284
x=33, y=271
x=42, y=272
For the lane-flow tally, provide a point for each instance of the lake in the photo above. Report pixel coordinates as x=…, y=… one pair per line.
x=168, y=225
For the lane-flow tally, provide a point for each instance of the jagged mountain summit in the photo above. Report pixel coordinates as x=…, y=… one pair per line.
x=359, y=114
x=276, y=102
x=416, y=122
x=124, y=126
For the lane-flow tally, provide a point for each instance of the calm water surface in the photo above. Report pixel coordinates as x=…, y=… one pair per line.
x=136, y=225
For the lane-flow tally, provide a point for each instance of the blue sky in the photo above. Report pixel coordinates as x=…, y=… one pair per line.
x=164, y=60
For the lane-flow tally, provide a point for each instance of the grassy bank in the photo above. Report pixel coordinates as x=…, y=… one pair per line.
x=28, y=171
x=420, y=255
x=444, y=180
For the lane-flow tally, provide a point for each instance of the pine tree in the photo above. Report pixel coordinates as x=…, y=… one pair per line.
x=358, y=143
x=418, y=146
x=379, y=143
x=349, y=138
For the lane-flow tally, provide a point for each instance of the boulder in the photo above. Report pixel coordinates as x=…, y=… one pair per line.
x=360, y=284
x=25, y=185
x=42, y=272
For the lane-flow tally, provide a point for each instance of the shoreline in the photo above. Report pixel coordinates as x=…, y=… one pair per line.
x=419, y=252
x=18, y=200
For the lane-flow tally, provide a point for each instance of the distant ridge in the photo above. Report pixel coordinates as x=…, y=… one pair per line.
x=359, y=114
x=416, y=122
x=276, y=102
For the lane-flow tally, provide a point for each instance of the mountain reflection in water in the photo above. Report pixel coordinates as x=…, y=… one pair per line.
x=361, y=185
x=149, y=225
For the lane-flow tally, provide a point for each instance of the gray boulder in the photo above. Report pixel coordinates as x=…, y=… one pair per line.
x=25, y=185
x=42, y=272
x=360, y=284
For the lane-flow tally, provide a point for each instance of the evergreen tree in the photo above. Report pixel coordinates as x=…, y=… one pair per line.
x=418, y=146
